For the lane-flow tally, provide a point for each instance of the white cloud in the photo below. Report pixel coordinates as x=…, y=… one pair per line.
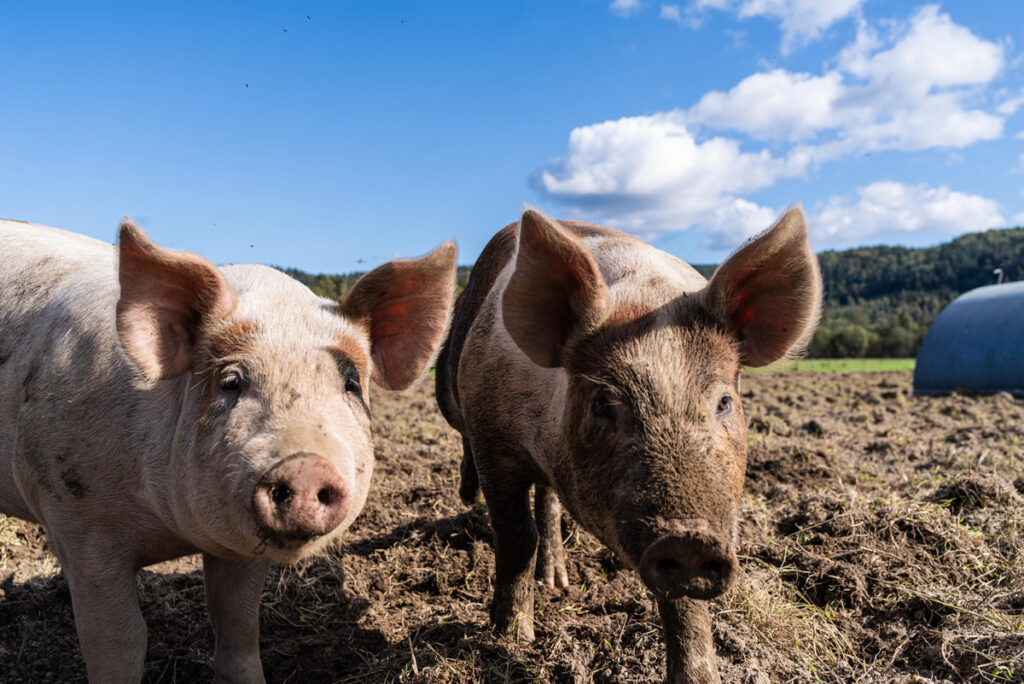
x=932, y=52
x=802, y=21
x=887, y=207
x=737, y=219
x=1010, y=105
x=922, y=85
x=1017, y=219
x=624, y=7
x=773, y=105
x=909, y=96
x=672, y=13
x=648, y=174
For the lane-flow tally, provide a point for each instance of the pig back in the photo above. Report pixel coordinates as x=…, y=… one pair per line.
x=488, y=266
x=68, y=400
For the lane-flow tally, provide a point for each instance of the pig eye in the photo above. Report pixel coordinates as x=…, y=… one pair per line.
x=231, y=381
x=724, y=405
x=601, y=407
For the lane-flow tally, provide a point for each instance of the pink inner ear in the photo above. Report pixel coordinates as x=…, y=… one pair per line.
x=405, y=306
x=743, y=318
x=742, y=313
x=392, y=317
x=403, y=333
x=396, y=309
x=769, y=291
x=165, y=298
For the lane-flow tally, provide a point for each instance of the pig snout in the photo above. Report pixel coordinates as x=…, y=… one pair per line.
x=688, y=561
x=300, y=498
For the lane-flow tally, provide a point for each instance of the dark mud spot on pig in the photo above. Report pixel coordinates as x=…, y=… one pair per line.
x=887, y=549
x=73, y=482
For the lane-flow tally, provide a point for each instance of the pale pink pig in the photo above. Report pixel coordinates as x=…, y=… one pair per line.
x=153, y=405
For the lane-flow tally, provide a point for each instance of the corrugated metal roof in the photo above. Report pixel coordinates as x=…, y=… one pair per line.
x=976, y=343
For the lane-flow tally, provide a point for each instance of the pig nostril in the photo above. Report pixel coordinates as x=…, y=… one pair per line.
x=327, y=496
x=712, y=570
x=280, y=494
x=666, y=567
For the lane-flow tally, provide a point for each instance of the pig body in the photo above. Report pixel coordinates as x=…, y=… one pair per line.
x=153, y=405
x=605, y=373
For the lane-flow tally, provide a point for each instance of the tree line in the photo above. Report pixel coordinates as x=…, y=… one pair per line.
x=879, y=301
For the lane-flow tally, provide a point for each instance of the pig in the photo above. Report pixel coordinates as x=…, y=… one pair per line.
x=153, y=405
x=606, y=373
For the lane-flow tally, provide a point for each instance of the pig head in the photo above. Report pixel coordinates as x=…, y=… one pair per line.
x=271, y=453
x=613, y=371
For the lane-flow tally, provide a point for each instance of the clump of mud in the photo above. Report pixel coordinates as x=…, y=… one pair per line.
x=881, y=541
x=971, y=492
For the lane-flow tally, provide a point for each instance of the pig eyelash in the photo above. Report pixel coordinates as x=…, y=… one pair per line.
x=593, y=380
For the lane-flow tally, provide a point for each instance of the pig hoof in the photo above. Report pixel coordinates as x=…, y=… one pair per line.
x=469, y=498
x=519, y=627
x=525, y=631
x=522, y=629
x=551, y=569
x=555, y=579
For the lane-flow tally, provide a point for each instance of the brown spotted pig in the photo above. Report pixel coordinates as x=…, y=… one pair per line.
x=153, y=405
x=606, y=373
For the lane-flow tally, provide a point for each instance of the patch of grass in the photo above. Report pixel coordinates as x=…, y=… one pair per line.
x=8, y=537
x=8, y=530
x=836, y=366
x=778, y=613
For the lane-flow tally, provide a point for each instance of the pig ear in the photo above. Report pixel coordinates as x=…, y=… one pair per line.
x=555, y=292
x=769, y=292
x=166, y=298
x=404, y=305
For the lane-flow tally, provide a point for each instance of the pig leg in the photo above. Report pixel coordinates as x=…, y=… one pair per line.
x=550, y=555
x=111, y=631
x=469, y=486
x=689, y=649
x=233, y=589
x=507, y=495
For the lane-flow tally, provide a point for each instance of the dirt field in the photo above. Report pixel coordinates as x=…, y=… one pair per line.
x=882, y=541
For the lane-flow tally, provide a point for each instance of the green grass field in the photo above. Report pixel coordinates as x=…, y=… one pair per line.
x=837, y=366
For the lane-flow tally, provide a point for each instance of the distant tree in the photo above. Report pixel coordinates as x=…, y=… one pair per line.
x=850, y=341
x=821, y=343
x=326, y=286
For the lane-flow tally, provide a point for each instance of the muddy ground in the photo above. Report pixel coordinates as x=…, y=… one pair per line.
x=881, y=541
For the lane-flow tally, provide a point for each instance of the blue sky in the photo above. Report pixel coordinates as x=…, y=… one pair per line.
x=332, y=136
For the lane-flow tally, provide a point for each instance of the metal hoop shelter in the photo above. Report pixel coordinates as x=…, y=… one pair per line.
x=975, y=344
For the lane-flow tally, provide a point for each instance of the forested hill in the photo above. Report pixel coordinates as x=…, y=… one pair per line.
x=879, y=301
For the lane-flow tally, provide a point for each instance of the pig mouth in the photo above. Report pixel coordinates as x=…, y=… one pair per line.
x=268, y=539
